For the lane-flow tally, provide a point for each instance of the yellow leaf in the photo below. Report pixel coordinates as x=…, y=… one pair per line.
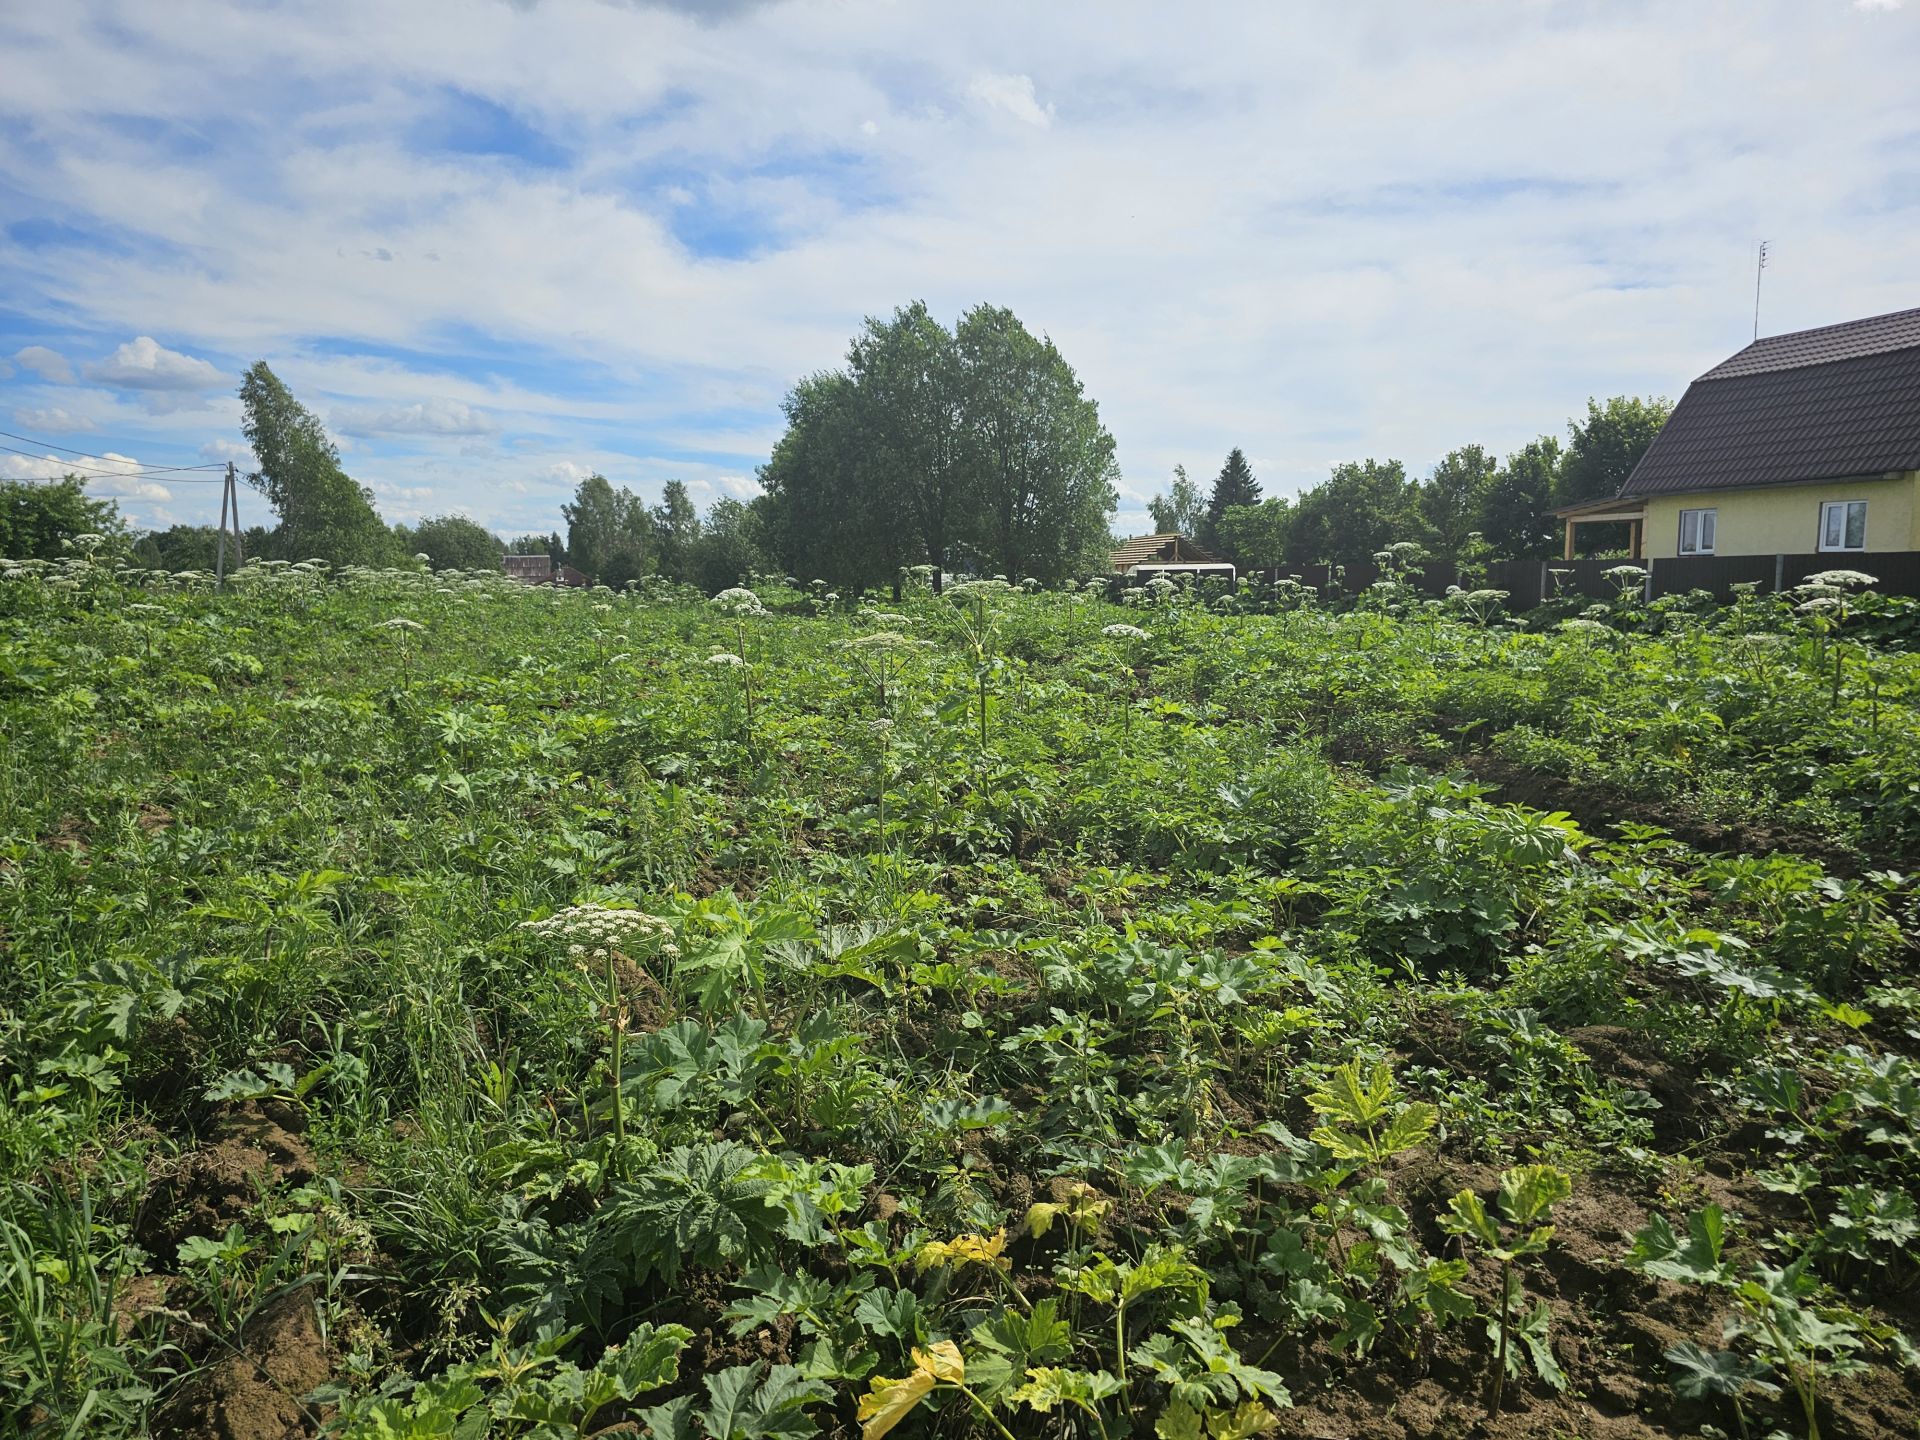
x=890, y=1401
x=965, y=1250
x=942, y=1361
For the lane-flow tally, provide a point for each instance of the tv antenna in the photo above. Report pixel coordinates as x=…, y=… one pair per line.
x=1759, y=269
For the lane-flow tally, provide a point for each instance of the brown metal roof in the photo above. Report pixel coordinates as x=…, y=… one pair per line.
x=1841, y=402
x=1848, y=341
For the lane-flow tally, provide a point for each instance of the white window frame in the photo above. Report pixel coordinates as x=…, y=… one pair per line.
x=1706, y=523
x=1827, y=507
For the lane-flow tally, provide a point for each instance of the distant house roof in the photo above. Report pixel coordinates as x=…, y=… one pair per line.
x=1839, y=402
x=1171, y=548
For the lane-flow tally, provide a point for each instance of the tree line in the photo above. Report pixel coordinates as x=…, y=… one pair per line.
x=973, y=448
x=1366, y=505
x=320, y=512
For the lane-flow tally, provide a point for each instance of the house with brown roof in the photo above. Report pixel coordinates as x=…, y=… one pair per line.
x=1800, y=444
x=536, y=569
x=1154, y=551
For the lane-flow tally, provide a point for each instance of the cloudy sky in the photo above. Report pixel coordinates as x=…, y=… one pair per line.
x=496, y=245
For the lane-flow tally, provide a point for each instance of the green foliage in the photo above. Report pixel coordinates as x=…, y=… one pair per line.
x=453, y=542
x=1526, y=1198
x=609, y=533
x=40, y=519
x=1602, y=451
x=1234, y=489
x=323, y=514
x=1359, y=510
x=704, y=1205
x=1366, y=1125
x=1014, y=1092
x=1182, y=511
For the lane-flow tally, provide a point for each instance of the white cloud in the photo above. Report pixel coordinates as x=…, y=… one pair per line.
x=1877, y=4
x=53, y=418
x=566, y=472
x=423, y=417
x=125, y=485
x=220, y=451
x=47, y=364
x=1013, y=94
x=1315, y=234
x=130, y=488
x=145, y=364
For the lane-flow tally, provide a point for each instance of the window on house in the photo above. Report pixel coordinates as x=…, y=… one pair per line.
x=1696, y=531
x=1843, y=525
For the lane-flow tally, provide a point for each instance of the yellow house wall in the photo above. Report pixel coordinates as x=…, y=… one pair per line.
x=1785, y=519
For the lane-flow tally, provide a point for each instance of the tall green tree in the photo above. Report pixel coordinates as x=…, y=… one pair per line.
x=1043, y=466
x=607, y=532
x=823, y=509
x=1181, y=512
x=453, y=542
x=323, y=513
x=1601, y=453
x=1255, y=535
x=728, y=548
x=1235, y=485
x=1357, y=511
x=38, y=517
x=1450, y=500
x=676, y=529
x=1513, y=507
x=912, y=410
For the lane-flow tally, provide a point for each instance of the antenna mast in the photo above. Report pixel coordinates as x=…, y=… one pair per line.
x=1758, y=270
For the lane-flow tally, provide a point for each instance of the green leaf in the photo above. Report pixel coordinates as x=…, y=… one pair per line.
x=1049, y=1387
x=1354, y=1099
x=892, y=1313
x=1701, y=1374
x=646, y=1360
x=1659, y=1252
x=671, y=1421
x=1529, y=1192
x=1469, y=1217
x=1532, y=1333
x=1179, y=1421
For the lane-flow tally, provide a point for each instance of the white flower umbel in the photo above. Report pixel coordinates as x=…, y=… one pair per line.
x=1843, y=579
x=738, y=601
x=724, y=658
x=1125, y=632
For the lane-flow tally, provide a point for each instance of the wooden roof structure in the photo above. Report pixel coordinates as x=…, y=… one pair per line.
x=1169, y=549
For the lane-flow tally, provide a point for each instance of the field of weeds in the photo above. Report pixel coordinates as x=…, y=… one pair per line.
x=433, y=1007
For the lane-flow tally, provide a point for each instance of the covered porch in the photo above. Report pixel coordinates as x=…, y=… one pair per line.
x=1611, y=511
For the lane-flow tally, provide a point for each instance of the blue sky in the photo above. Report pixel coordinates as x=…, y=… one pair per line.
x=497, y=246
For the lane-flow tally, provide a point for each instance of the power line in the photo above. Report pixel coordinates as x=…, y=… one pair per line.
x=87, y=454
x=181, y=474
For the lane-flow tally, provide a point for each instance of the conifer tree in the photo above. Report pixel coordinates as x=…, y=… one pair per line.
x=1236, y=486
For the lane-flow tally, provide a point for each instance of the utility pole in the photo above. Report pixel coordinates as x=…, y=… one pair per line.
x=1759, y=269
x=229, y=503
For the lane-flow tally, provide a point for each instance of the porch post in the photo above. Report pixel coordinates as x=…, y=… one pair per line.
x=1569, y=554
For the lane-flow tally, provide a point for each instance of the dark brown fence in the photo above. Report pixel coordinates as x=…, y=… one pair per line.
x=1530, y=583
x=1716, y=573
